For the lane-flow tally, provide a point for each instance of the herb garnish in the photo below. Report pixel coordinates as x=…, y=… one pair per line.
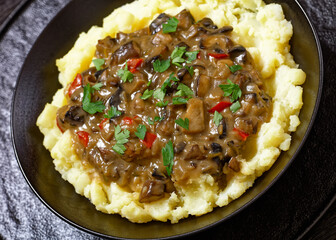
x=162, y=104
x=147, y=94
x=159, y=94
x=231, y=89
x=184, y=90
x=234, y=68
x=112, y=112
x=88, y=106
x=141, y=131
x=156, y=119
x=235, y=106
x=97, y=86
x=98, y=63
x=190, y=70
x=168, y=157
x=217, y=118
x=191, y=56
x=183, y=123
x=176, y=56
x=161, y=66
x=122, y=138
x=170, y=26
x=179, y=101
x=124, y=74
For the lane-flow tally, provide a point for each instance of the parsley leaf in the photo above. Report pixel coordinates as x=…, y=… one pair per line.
x=149, y=83
x=176, y=56
x=97, y=86
x=179, y=101
x=150, y=121
x=168, y=81
x=159, y=94
x=147, y=94
x=168, y=157
x=191, y=56
x=217, y=118
x=122, y=138
x=161, y=66
x=125, y=75
x=112, y=112
x=98, y=63
x=88, y=106
x=235, y=106
x=190, y=70
x=183, y=123
x=162, y=104
x=234, y=68
x=141, y=131
x=170, y=26
x=231, y=89
x=184, y=90
x=156, y=119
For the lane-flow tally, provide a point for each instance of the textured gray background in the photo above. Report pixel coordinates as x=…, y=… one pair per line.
x=23, y=216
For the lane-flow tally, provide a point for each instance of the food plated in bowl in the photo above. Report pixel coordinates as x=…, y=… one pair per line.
x=181, y=225
x=181, y=114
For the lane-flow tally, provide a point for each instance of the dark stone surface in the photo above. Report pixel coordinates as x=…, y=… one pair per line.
x=284, y=212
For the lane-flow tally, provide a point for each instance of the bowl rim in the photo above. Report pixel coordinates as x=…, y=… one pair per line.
x=244, y=206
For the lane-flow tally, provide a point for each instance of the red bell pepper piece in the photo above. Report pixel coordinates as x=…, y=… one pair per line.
x=199, y=55
x=101, y=124
x=243, y=135
x=220, y=107
x=219, y=55
x=149, y=139
x=127, y=120
x=77, y=83
x=83, y=137
x=133, y=63
x=62, y=131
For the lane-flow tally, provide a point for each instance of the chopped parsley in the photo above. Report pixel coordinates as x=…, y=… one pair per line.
x=234, y=68
x=149, y=83
x=217, y=118
x=125, y=75
x=88, y=106
x=184, y=90
x=168, y=157
x=231, y=90
x=191, y=56
x=162, y=104
x=112, y=112
x=235, y=106
x=147, y=94
x=170, y=26
x=168, y=81
x=161, y=66
x=98, y=63
x=159, y=94
x=190, y=70
x=156, y=119
x=179, y=101
x=183, y=123
x=141, y=131
x=176, y=56
x=97, y=86
x=122, y=138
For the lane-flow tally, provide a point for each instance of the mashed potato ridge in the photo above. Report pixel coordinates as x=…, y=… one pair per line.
x=263, y=30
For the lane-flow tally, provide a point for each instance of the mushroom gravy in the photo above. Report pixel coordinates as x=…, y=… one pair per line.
x=215, y=124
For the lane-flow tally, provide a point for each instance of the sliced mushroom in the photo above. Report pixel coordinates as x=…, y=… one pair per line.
x=195, y=114
x=193, y=152
x=104, y=47
x=185, y=19
x=115, y=98
x=152, y=190
x=208, y=23
x=125, y=52
x=71, y=116
x=238, y=54
x=222, y=129
x=156, y=25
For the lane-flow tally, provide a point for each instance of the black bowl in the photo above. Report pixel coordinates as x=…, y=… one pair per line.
x=38, y=82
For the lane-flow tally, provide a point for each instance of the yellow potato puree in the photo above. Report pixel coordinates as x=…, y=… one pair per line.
x=265, y=33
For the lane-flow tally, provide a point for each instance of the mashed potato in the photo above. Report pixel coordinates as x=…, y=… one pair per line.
x=263, y=30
